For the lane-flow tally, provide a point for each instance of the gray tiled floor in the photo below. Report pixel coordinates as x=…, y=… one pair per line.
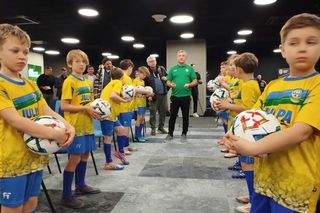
x=169, y=177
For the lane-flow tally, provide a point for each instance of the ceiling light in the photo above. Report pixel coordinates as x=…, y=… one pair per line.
x=181, y=19
x=231, y=52
x=245, y=32
x=52, y=52
x=239, y=41
x=159, y=17
x=187, y=35
x=106, y=54
x=138, y=45
x=264, y=2
x=70, y=40
x=88, y=12
x=277, y=51
x=154, y=55
x=113, y=56
x=127, y=38
x=39, y=49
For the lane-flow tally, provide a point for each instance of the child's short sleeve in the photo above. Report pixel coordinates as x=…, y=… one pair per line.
x=67, y=90
x=117, y=87
x=5, y=101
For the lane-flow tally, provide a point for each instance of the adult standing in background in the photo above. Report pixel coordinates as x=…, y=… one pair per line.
x=46, y=82
x=103, y=77
x=195, y=92
x=158, y=102
x=59, y=81
x=181, y=78
x=262, y=83
x=90, y=74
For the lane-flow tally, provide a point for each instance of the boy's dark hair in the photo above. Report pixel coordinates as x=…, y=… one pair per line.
x=116, y=73
x=247, y=61
x=125, y=64
x=104, y=60
x=90, y=66
x=299, y=21
x=223, y=63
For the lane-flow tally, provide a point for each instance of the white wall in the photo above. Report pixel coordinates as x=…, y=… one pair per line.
x=196, y=54
x=36, y=59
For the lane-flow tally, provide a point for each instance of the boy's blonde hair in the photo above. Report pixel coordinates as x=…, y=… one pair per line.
x=231, y=59
x=247, y=61
x=299, y=21
x=144, y=70
x=8, y=30
x=74, y=53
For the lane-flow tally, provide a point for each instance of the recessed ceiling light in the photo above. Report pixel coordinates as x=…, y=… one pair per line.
x=187, y=35
x=181, y=19
x=239, y=41
x=154, y=55
x=106, y=54
x=52, y=52
x=113, y=56
x=127, y=38
x=39, y=49
x=231, y=52
x=88, y=12
x=245, y=32
x=69, y=40
x=264, y=2
x=277, y=51
x=138, y=45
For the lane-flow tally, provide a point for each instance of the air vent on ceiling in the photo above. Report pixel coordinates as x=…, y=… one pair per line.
x=19, y=20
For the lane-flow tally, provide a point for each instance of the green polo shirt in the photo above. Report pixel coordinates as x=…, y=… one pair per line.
x=181, y=75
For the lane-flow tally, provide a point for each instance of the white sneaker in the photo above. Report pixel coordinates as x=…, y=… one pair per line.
x=195, y=115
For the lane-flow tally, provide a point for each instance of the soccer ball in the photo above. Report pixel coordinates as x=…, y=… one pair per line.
x=139, y=95
x=149, y=89
x=102, y=107
x=43, y=146
x=254, y=125
x=128, y=92
x=214, y=84
x=219, y=94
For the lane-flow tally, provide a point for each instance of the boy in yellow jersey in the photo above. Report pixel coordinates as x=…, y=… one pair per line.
x=288, y=178
x=111, y=93
x=246, y=65
x=21, y=101
x=77, y=93
x=140, y=103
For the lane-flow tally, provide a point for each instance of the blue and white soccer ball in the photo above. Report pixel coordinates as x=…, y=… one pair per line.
x=217, y=95
x=128, y=92
x=44, y=146
x=103, y=107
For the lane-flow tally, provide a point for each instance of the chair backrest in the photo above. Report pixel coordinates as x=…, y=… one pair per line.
x=57, y=106
x=96, y=125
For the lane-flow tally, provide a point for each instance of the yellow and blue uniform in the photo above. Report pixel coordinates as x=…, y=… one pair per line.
x=80, y=93
x=291, y=178
x=111, y=121
x=140, y=102
x=235, y=86
x=126, y=109
x=18, y=165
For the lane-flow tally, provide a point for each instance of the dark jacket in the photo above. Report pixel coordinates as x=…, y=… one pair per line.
x=149, y=81
x=58, y=84
x=46, y=80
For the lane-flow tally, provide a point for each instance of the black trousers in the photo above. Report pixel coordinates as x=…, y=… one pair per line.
x=184, y=104
x=195, y=95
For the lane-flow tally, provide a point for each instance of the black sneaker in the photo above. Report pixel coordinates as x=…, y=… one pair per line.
x=87, y=190
x=153, y=132
x=72, y=202
x=162, y=131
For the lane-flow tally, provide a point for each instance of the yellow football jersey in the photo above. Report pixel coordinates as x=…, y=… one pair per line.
x=235, y=87
x=79, y=92
x=139, y=101
x=128, y=106
x=15, y=158
x=112, y=86
x=292, y=177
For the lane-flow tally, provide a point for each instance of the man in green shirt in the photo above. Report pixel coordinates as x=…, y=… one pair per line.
x=181, y=79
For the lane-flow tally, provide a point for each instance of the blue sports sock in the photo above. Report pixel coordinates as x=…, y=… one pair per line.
x=121, y=140
x=126, y=142
x=249, y=180
x=80, y=174
x=225, y=127
x=137, y=131
x=107, y=152
x=67, y=184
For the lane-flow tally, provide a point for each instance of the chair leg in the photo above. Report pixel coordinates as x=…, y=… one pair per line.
x=94, y=163
x=49, y=169
x=99, y=138
x=144, y=128
x=48, y=197
x=132, y=136
x=58, y=164
x=114, y=142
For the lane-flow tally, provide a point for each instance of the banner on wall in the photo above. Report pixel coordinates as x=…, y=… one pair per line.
x=283, y=72
x=34, y=71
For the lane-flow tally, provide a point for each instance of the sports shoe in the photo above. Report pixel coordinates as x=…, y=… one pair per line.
x=243, y=209
x=113, y=166
x=121, y=157
x=153, y=132
x=236, y=166
x=72, y=202
x=87, y=190
x=239, y=174
x=169, y=138
x=243, y=199
x=140, y=139
x=224, y=150
x=183, y=138
x=195, y=115
x=162, y=131
x=127, y=152
x=230, y=155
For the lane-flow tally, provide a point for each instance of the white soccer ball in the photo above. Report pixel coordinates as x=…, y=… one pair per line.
x=139, y=95
x=44, y=146
x=103, y=107
x=214, y=84
x=254, y=125
x=128, y=92
x=217, y=95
